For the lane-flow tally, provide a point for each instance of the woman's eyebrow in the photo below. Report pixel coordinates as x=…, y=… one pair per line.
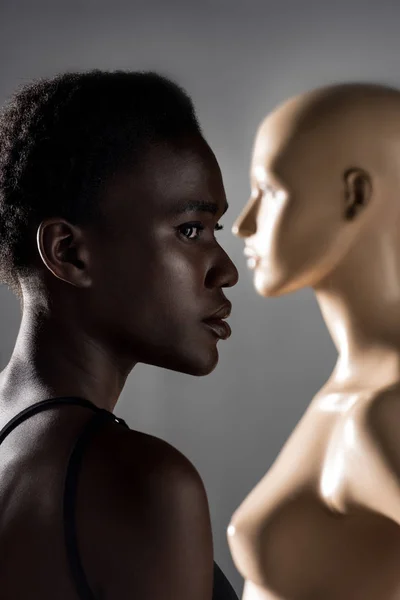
x=198, y=206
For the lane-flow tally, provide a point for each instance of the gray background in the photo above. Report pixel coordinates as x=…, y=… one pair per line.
x=237, y=60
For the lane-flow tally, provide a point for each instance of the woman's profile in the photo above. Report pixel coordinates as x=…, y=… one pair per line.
x=109, y=202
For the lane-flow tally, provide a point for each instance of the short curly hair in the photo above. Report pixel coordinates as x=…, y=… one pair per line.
x=62, y=138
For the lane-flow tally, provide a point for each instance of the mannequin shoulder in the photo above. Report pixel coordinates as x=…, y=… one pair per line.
x=378, y=423
x=375, y=439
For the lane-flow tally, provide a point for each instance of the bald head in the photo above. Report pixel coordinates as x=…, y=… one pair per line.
x=325, y=172
x=331, y=100
x=346, y=125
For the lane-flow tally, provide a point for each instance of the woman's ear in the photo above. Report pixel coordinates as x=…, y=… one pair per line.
x=358, y=191
x=63, y=250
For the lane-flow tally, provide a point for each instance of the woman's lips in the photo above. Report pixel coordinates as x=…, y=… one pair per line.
x=215, y=322
x=219, y=327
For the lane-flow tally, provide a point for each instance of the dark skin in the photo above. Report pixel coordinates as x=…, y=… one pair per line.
x=134, y=287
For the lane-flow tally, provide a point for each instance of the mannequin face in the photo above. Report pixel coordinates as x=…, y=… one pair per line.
x=294, y=224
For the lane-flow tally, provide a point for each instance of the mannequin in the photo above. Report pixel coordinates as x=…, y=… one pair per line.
x=324, y=522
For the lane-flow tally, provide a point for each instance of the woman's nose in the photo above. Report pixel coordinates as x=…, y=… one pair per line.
x=232, y=274
x=223, y=273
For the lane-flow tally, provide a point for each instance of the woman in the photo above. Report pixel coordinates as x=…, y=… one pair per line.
x=110, y=197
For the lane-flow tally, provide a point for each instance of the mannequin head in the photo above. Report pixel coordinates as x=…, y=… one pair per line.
x=325, y=177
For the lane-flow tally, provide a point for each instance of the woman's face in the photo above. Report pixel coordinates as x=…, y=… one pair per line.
x=157, y=267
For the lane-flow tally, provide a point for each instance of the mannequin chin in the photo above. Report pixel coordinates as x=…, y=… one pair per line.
x=266, y=286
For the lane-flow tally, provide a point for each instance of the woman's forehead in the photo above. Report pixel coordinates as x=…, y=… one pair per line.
x=167, y=176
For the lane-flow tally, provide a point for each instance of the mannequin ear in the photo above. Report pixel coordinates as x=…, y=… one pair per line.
x=358, y=191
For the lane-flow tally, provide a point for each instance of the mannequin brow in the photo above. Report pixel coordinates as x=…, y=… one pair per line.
x=198, y=206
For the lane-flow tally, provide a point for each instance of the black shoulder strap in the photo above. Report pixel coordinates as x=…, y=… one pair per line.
x=222, y=589
x=39, y=407
x=70, y=489
x=101, y=416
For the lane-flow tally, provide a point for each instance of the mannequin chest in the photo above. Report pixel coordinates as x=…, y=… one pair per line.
x=299, y=535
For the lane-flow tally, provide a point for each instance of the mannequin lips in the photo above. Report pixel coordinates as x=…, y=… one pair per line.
x=253, y=262
x=253, y=258
x=216, y=323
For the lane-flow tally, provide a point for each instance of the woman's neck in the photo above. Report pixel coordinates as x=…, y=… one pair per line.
x=54, y=357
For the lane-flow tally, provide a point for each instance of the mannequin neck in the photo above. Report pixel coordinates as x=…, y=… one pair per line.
x=360, y=303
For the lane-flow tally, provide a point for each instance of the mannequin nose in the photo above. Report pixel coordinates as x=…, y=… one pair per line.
x=246, y=223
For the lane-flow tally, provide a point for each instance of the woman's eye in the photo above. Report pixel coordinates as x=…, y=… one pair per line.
x=192, y=231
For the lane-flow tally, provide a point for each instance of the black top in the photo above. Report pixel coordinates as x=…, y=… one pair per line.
x=222, y=588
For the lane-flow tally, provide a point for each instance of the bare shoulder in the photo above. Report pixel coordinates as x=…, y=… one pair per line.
x=153, y=516
x=149, y=456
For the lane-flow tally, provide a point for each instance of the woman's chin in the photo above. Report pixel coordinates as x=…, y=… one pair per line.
x=197, y=364
x=204, y=365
